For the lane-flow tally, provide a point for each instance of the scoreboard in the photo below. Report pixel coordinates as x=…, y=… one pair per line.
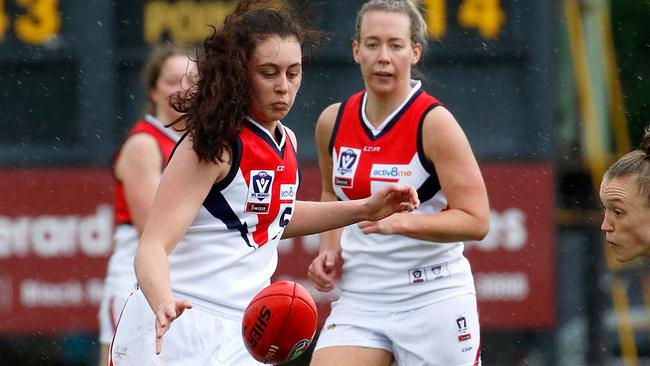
x=69, y=71
x=35, y=23
x=489, y=61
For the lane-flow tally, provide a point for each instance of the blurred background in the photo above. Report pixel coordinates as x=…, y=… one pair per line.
x=549, y=93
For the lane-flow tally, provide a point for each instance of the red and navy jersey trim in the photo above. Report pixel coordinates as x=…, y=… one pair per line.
x=337, y=124
x=393, y=120
x=432, y=185
x=216, y=203
x=264, y=136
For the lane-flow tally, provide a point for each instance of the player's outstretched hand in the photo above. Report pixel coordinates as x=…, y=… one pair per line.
x=390, y=199
x=322, y=270
x=387, y=225
x=165, y=315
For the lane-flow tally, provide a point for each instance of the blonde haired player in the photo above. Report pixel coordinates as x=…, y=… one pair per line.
x=625, y=195
x=407, y=292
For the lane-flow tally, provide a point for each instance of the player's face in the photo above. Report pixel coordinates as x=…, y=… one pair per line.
x=385, y=51
x=276, y=74
x=626, y=221
x=177, y=73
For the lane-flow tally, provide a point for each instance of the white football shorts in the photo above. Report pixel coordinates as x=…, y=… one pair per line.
x=446, y=332
x=196, y=338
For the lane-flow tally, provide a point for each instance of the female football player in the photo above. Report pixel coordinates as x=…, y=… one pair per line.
x=625, y=195
x=407, y=292
x=227, y=197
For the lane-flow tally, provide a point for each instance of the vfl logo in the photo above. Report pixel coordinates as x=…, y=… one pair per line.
x=261, y=183
x=346, y=161
x=346, y=166
x=461, y=324
x=259, y=191
x=417, y=275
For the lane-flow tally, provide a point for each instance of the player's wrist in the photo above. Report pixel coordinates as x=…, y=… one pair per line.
x=368, y=209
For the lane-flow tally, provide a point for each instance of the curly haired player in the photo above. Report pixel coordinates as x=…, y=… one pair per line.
x=227, y=197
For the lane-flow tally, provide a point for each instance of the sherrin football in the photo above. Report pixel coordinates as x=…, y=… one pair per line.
x=279, y=323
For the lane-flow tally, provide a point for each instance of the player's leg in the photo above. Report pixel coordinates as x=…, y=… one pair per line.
x=351, y=355
x=103, y=354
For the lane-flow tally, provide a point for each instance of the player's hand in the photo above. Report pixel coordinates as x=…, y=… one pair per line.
x=388, y=225
x=390, y=199
x=322, y=270
x=165, y=315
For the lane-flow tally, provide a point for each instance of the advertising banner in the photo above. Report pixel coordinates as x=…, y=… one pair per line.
x=56, y=235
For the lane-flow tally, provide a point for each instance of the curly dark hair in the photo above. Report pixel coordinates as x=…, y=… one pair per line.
x=216, y=106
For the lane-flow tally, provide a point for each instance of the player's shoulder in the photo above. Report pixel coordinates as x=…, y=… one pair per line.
x=327, y=119
x=330, y=112
x=438, y=115
x=140, y=143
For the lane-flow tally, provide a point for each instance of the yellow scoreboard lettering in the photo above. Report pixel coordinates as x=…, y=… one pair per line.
x=155, y=13
x=485, y=15
x=185, y=21
x=436, y=18
x=40, y=23
x=184, y=25
x=4, y=21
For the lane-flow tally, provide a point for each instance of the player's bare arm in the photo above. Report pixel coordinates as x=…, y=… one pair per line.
x=138, y=167
x=183, y=187
x=467, y=218
x=313, y=217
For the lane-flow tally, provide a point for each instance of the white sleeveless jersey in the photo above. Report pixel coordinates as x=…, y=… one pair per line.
x=392, y=272
x=230, y=250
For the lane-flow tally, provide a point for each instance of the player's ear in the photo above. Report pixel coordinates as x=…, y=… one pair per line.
x=355, y=51
x=151, y=96
x=417, y=53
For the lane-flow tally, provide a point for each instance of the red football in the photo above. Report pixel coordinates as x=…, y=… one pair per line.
x=279, y=323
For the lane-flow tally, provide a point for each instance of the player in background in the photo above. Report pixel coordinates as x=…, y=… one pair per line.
x=227, y=196
x=407, y=292
x=137, y=168
x=625, y=196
